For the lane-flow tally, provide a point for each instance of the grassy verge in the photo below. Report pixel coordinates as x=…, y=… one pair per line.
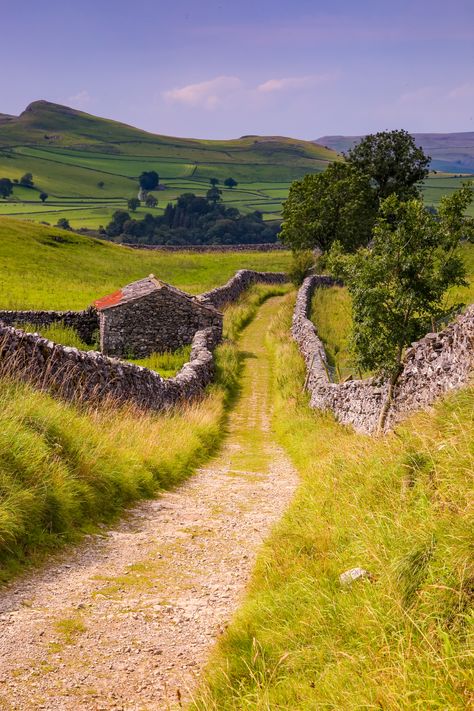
x=64, y=469
x=398, y=507
x=167, y=364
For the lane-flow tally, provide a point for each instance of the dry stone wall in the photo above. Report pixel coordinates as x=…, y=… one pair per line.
x=92, y=376
x=86, y=322
x=241, y=281
x=433, y=366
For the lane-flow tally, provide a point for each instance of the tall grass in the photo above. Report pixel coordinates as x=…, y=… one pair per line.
x=397, y=506
x=64, y=468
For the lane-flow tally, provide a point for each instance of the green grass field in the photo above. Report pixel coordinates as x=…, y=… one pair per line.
x=47, y=268
x=69, y=153
x=397, y=506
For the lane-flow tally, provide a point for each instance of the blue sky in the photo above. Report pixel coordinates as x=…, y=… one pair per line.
x=219, y=69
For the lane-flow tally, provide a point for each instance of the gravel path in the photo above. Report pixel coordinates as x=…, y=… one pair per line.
x=127, y=620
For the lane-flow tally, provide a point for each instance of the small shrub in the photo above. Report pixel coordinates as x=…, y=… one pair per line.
x=301, y=265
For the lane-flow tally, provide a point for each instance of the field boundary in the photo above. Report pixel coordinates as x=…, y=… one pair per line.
x=434, y=365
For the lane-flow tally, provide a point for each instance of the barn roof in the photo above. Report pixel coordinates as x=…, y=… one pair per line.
x=143, y=287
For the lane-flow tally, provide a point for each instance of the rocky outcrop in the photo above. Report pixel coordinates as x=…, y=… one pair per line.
x=433, y=366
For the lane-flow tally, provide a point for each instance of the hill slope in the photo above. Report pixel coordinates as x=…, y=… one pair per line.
x=89, y=166
x=450, y=152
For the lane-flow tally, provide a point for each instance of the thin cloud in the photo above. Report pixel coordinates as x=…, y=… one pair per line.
x=81, y=100
x=209, y=94
x=292, y=83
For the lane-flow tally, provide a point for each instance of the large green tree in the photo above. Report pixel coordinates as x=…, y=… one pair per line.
x=6, y=187
x=399, y=284
x=337, y=205
x=392, y=160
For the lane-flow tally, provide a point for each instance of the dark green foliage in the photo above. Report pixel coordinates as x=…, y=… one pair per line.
x=133, y=204
x=301, y=264
x=193, y=220
x=26, y=180
x=392, y=161
x=149, y=180
x=230, y=183
x=6, y=187
x=398, y=285
x=337, y=205
x=151, y=201
x=214, y=182
x=63, y=223
x=44, y=197
x=214, y=194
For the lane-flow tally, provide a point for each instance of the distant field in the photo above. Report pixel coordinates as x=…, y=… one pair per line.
x=43, y=267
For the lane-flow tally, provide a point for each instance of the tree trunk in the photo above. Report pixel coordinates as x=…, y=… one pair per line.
x=388, y=400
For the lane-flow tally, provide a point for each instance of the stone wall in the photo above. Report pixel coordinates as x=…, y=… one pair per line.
x=86, y=322
x=163, y=320
x=433, y=366
x=90, y=376
x=241, y=281
x=203, y=248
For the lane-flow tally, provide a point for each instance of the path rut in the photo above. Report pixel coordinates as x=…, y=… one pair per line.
x=128, y=619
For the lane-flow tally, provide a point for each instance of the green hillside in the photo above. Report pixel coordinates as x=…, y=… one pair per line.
x=47, y=268
x=89, y=166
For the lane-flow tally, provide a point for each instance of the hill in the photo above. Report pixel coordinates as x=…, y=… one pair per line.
x=450, y=152
x=89, y=166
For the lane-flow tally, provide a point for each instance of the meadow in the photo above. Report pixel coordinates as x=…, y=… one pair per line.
x=398, y=506
x=47, y=268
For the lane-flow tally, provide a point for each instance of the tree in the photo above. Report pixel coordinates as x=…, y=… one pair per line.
x=214, y=195
x=393, y=162
x=63, y=224
x=399, y=283
x=133, y=204
x=100, y=184
x=149, y=180
x=26, y=180
x=151, y=201
x=44, y=197
x=6, y=187
x=214, y=182
x=337, y=205
x=230, y=183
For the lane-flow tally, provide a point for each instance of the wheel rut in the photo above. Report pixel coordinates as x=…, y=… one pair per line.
x=128, y=619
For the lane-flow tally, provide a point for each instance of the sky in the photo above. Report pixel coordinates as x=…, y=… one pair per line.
x=222, y=69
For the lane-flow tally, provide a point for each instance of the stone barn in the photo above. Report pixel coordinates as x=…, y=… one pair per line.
x=150, y=316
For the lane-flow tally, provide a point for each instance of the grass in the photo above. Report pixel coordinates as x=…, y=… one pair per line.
x=69, y=153
x=65, y=468
x=397, y=506
x=166, y=364
x=47, y=268
x=59, y=333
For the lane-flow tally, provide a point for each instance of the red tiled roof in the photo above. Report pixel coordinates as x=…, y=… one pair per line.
x=109, y=300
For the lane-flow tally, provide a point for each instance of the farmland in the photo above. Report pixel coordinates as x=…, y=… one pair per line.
x=89, y=167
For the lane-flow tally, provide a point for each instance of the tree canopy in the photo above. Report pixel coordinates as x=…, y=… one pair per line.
x=393, y=161
x=193, y=220
x=230, y=183
x=149, y=180
x=6, y=187
x=399, y=284
x=337, y=205
x=26, y=180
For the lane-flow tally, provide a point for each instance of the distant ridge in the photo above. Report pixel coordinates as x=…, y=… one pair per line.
x=450, y=152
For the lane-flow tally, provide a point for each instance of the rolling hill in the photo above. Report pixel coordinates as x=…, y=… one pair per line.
x=450, y=152
x=89, y=166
